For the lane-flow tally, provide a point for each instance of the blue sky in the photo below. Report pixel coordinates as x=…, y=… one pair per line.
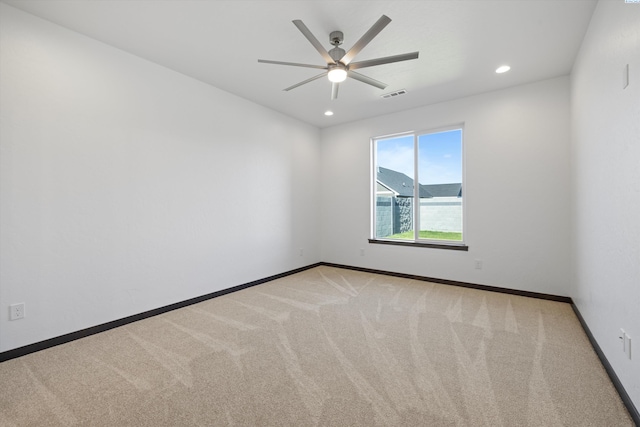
x=440, y=156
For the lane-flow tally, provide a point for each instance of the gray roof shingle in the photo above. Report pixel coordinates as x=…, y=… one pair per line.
x=398, y=182
x=402, y=185
x=443, y=190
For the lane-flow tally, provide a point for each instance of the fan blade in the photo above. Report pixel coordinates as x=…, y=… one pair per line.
x=334, y=90
x=314, y=41
x=364, y=40
x=295, y=64
x=306, y=81
x=367, y=80
x=385, y=60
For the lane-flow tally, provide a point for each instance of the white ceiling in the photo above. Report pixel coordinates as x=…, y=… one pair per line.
x=461, y=43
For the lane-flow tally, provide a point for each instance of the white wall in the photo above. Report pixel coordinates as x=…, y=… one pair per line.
x=516, y=192
x=126, y=186
x=606, y=182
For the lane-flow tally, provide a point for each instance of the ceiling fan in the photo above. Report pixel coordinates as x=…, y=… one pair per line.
x=339, y=65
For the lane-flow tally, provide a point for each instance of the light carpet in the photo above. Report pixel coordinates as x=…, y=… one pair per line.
x=325, y=347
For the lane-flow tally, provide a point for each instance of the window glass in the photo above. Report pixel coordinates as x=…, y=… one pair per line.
x=434, y=161
x=394, y=187
x=440, y=177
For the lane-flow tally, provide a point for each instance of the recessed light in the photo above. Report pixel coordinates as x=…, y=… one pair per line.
x=503, y=69
x=328, y=113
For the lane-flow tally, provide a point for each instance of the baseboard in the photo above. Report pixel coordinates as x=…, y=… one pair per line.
x=42, y=345
x=633, y=411
x=52, y=342
x=62, y=339
x=456, y=283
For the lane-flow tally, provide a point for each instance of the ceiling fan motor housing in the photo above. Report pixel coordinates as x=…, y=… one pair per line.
x=337, y=53
x=336, y=38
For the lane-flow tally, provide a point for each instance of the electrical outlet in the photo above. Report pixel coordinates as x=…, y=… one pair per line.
x=478, y=264
x=16, y=311
x=301, y=252
x=361, y=251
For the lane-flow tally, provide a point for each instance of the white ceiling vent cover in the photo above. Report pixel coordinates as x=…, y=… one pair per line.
x=393, y=94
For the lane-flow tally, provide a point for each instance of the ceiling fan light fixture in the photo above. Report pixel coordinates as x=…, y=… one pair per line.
x=337, y=74
x=339, y=62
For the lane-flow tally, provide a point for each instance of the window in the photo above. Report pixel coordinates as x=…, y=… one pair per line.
x=434, y=160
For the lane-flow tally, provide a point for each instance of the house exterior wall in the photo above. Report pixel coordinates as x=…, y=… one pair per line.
x=393, y=215
x=384, y=216
x=404, y=217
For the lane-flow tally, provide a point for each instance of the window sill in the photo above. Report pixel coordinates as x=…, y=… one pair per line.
x=453, y=247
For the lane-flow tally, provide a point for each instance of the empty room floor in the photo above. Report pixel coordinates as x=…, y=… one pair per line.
x=326, y=346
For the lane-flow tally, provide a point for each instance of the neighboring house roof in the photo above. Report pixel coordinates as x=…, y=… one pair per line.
x=398, y=182
x=402, y=185
x=443, y=190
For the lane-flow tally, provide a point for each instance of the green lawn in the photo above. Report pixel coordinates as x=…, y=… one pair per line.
x=429, y=234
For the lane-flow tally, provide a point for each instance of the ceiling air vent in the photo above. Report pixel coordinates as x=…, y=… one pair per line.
x=392, y=94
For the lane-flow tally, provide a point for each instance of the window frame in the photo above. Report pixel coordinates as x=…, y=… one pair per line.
x=417, y=241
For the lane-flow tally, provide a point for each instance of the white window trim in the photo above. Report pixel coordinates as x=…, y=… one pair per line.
x=417, y=241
